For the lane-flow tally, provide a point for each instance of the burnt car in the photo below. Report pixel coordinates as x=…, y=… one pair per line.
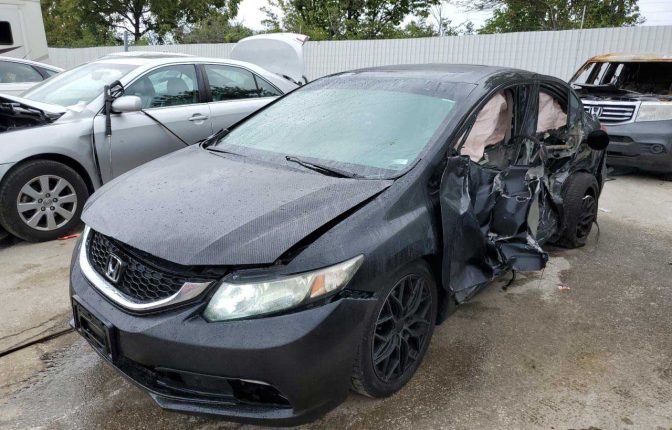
x=632, y=96
x=314, y=246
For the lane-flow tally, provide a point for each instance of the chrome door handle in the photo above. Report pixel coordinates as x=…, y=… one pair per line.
x=198, y=117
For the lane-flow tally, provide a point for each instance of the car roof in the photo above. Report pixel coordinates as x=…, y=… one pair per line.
x=465, y=73
x=631, y=58
x=32, y=63
x=151, y=59
x=150, y=55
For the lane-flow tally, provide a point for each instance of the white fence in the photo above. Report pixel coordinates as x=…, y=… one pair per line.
x=557, y=53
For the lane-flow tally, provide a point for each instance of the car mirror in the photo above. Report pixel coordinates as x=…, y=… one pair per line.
x=127, y=104
x=598, y=140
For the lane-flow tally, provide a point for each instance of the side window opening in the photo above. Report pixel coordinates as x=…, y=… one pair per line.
x=230, y=83
x=485, y=142
x=559, y=124
x=168, y=86
x=6, y=37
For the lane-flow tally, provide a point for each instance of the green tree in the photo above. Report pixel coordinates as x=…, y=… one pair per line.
x=344, y=19
x=65, y=26
x=155, y=17
x=217, y=28
x=535, y=15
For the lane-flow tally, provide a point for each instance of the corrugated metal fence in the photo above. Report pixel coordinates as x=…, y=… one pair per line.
x=557, y=53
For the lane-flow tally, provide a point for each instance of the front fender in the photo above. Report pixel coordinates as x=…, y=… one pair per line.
x=67, y=139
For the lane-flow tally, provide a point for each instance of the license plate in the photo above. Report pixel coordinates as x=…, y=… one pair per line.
x=98, y=332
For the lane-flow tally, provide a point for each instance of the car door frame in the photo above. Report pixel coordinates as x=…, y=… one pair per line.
x=458, y=220
x=103, y=160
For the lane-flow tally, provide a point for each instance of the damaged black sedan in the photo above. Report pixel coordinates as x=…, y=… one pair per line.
x=313, y=247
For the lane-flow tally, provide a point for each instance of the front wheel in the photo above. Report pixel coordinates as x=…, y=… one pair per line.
x=41, y=200
x=398, y=333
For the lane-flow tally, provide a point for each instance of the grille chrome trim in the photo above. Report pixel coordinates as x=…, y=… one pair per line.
x=188, y=291
x=614, y=112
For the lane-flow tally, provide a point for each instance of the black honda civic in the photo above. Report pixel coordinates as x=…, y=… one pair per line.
x=312, y=248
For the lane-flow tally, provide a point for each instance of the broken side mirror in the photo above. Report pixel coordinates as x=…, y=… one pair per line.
x=127, y=104
x=598, y=140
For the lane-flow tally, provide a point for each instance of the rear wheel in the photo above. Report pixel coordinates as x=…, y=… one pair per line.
x=398, y=333
x=41, y=200
x=580, y=209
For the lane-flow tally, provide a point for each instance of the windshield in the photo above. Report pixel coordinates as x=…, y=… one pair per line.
x=372, y=128
x=636, y=77
x=78, y=86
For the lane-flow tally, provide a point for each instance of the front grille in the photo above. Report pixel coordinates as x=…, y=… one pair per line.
x=143, y=278
x=612, y=113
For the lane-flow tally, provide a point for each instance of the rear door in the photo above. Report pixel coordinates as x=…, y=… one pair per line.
x=235, y=93
x=175, y=114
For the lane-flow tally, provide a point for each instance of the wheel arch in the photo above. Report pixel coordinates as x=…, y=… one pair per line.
x=63, y=159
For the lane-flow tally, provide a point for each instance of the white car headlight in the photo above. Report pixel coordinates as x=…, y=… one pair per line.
x=242, y=299
x=654, y=111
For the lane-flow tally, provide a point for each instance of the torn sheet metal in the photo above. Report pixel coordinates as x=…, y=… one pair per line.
x=486, y=231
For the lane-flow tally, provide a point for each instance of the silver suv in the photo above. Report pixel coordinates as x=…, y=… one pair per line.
x=59, y=142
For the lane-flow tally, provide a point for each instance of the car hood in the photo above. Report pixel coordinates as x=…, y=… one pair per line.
x=47, y=108
x=195, y=207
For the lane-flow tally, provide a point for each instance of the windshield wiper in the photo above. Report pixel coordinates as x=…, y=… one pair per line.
x=325, y=170
x=214, y=137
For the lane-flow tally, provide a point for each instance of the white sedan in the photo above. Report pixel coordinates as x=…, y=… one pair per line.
x=17, y=75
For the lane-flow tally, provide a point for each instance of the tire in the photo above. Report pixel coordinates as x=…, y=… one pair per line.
x=369, y=377
x=580, y=199
x=41, y=200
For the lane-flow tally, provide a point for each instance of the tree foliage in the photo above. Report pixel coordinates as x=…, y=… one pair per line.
x=535, y=15
x=217, y=28
x=66, y=27
x=346, y=19
x=155, y=17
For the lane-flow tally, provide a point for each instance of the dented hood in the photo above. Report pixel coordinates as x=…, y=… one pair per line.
x=280, y=53
x=195, y=207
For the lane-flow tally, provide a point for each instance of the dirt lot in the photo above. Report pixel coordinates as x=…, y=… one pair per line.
x=596, y=353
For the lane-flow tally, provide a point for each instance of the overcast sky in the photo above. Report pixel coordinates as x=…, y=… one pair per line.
x=656, y=12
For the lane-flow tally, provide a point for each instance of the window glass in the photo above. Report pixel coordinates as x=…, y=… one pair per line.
x=11, y=73
x=358, y=128
x=168, y=86
x=78, y=86
x=230, y=83
x=6, y=33
x=266, y=89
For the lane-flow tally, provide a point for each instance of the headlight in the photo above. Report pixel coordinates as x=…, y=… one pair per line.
x=655, y=111
x=243, y=299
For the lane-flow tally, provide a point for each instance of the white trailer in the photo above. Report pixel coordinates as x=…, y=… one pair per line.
x=22, y=32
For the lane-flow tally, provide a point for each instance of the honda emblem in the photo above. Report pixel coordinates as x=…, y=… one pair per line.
x=595, y=111
x=114, y=268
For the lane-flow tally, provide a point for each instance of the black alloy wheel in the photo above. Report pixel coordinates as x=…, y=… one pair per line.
x=398, y=332
x=402, y=328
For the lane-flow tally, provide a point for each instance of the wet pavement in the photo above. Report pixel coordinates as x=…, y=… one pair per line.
x=585, y=344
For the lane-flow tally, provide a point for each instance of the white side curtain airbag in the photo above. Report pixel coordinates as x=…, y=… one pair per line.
x=490, y=128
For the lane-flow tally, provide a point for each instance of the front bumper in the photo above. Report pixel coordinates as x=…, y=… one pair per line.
x=282, y=370
x=642, y=145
